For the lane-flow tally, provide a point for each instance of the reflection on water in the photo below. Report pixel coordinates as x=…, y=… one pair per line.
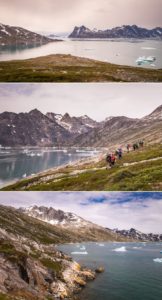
x=134, y=274
x=124, y=52
x=20, y=163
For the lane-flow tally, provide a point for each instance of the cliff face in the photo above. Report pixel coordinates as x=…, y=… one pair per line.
x=14, y=36
x=125, y=31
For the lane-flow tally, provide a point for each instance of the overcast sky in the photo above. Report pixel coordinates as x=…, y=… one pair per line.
x=121, y=210
x=96, y=100
x=63, y=15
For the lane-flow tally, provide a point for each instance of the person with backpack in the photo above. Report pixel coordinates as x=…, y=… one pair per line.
x=128, y=148
x=108, y=160
x=113, y=160
x=120, y=153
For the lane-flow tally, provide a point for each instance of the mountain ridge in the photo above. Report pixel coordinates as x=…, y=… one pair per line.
x=37, y=129
x=18, y=36
x=125, y=31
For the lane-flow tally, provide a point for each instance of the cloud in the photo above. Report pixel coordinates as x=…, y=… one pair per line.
x=63, y=15
x=96, y=100
x=123, y=210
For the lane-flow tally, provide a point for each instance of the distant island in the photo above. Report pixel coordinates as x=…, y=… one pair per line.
x=125, y=31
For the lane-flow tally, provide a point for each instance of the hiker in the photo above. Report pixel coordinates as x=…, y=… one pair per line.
x=141, y=143
x=128, y=148
x=113, y=159
x=120, y=153
x=110, y=159
x=135, y=146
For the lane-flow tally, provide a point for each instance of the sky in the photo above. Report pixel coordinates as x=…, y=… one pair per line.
x=98, y=101
x=123, y=210
x=63, y=15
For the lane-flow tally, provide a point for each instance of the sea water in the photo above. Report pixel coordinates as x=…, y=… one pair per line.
x=118, y=51
x=133, y=271
x=16, y=164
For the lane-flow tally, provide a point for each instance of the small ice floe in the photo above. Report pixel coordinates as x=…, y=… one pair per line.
x=80, y=253
x=83, y=248
x=121, y=249
x=158, y=260
x=148, y=48
x=101, y=245
x=136, y=247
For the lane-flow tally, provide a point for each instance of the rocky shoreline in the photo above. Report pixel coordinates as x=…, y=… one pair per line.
x=32, y=270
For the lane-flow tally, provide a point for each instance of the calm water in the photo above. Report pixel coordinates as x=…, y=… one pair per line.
x=114, y=51
x=19, y=163
x=129, y=275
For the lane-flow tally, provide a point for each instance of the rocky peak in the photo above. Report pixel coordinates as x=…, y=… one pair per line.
x=155, y=115
x=54, y=217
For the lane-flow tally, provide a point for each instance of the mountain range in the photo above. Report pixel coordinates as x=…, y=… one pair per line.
x=16, y=36
x=37, y=129
x=125, y=31
x=139, y=236
x=74, y=223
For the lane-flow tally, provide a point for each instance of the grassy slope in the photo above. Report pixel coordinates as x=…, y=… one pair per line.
x=67, y=68
x=139, y=177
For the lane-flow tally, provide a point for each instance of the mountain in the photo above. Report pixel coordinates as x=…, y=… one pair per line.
x=83, y=229
x=30, y=129
x=13, y=36
x=36, y=129
x=139, y=236
x=155, y=115
x=75, y=125
x=125, y=31
x=122, y=130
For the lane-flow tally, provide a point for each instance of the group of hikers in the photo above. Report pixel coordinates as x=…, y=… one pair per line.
x=118, y=154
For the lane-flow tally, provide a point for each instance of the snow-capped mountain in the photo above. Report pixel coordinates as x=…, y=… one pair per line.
x=139, y=236
x=12, y=35
x=125, y=31
x=55, y=217
x=76, y=125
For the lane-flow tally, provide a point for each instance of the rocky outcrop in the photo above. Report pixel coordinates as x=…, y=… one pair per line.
x=17, y=36
x=30, y=265
x=125, y=31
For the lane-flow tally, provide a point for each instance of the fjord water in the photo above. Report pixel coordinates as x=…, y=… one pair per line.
x=118, y=51
x=19, y=163
x=131, y=274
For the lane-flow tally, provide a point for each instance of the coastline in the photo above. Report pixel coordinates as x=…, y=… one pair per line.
x=69, y=68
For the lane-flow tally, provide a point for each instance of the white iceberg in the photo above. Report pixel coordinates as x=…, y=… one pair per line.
x=77, y=252
x=158, y=260
x=121, y=249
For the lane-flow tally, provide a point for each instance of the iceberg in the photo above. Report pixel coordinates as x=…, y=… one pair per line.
x=145, y=60
x=158, y=260
x=121, y=249
x=77, y=252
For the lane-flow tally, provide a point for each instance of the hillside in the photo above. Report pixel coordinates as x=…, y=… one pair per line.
x=17, y=36
x=125, y=31
x=68, y=68
x=30, y=265
x=138, y=170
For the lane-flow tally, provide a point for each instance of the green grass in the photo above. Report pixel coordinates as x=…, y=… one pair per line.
x=67, y=68
x=140, y=177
